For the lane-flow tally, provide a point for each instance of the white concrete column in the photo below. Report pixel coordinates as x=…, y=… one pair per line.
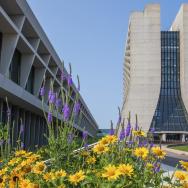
x=164, y=137
x=183, y=138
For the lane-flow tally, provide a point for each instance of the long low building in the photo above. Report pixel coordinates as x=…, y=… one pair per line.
x=26, y=56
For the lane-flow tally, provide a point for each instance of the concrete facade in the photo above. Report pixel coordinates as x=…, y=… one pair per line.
x=142, y=68
x=142, y=65
x=20, y=31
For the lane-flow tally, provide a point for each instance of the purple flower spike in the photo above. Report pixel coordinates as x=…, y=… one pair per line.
x=49, y=117
x=128, y=130
x=156, y=168
x=77, y=108
x=69, y=80
x=51, y=98
x=152, y=130
x=111, y=131
x=122, y=135
x=63, y=77
x=42, y=91
x=66, y=112
x=84, y=135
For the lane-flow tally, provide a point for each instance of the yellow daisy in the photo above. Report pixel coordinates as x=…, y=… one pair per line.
x=39, y=168
x=184, y=165
x=139, y=133
x=77, y=177
x=100, y=148
x=125, y=169
x=158, y=152
x=20, y=153
x=181, y=176
x=60, y=173
x=91, y=160
x=141, y=152
x=111, y=172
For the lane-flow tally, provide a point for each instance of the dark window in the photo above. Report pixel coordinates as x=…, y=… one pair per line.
x=15, y=67
x=1, y=39
x=30, y=82
x=170, y=114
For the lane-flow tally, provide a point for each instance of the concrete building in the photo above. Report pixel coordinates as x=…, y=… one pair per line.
x=26, y=55
x=156, y=73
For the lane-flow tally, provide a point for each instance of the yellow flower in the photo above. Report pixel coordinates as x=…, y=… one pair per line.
x=49, y=176
x=141, y=152
x=184, y=165
x=60, y=173
x=111, y=172
x=33, y=185
x=39, y=168
x=61, y=186
x=109, y=139
x=77, y=177
x=100, y=148
x=3, y=171
x=158, y=152
x=125, y=169
x=91, y=160
x=139, y=133
x=182, y=176
x=20, y=153
x=2, y=181
x=149, y=165
x=14, y=161
x=85, y=153
x=24, y=183
x=15, y=178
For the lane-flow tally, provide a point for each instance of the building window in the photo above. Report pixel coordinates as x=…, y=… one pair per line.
x=30, y=82
x=15, y=67
x=173, y=115
x=1, y=39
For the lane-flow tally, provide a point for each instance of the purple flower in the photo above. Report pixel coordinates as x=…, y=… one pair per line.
x=122, y=135
x=130, y=143
x=77, y=108
x=66, y=112
x=152, y=130
x=151, y=144
x=42, y=91
x=156, y=168
x=128, y=130
x=58, y=102
x=49, y=117
x=51, y=97
x=78, y=88
x=111, y=132
x=69, y=80
x=63, y=76
x=84, y=135
x=86, y=145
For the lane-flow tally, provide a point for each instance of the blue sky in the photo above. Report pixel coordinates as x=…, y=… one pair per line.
x=91, y=34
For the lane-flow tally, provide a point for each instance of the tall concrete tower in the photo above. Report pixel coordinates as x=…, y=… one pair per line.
x=156, y=73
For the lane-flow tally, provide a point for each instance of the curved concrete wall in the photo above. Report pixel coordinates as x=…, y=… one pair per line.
x=142, y=66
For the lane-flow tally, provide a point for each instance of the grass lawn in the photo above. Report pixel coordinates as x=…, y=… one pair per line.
x=181, y=148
